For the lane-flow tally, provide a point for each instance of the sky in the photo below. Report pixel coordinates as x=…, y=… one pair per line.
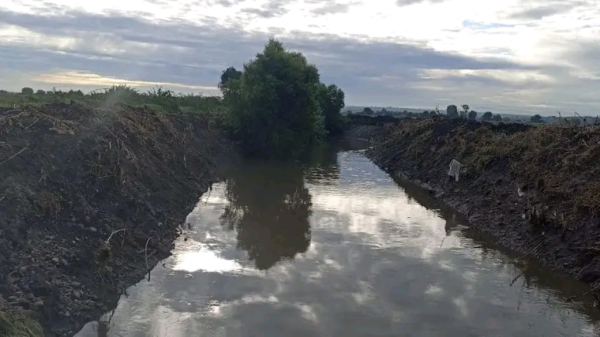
x=518, y=56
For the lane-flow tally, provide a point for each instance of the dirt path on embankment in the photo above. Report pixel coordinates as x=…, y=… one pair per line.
x=70, y=176
x=535, y=189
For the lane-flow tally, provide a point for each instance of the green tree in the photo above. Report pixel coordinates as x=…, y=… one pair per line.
x=368, y=111
x=506, y=119
x=27, y=91
x=40, y=92
x=273, y=104
x=465, y=112
x=536, y=119
x=77, y=93
x=331, y=101
x=452, y=111
x=229, y=74
x=472, y=115
x=487, y=116
x=497, y=118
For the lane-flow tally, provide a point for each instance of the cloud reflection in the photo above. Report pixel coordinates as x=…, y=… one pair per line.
x=368, y=268
x=204, y=259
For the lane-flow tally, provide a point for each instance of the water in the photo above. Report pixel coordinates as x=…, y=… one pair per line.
x=337, y=248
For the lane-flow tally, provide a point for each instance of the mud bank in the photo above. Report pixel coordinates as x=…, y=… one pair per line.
x=91, y=199
x=536, y=190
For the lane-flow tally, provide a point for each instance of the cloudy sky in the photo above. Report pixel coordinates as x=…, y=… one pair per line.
x=512, y=55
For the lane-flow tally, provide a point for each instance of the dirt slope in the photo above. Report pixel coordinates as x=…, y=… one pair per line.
x=536, y=189
x=72, y=175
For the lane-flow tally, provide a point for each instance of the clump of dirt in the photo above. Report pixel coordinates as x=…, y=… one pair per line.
x=90, y=199
x=536, y=189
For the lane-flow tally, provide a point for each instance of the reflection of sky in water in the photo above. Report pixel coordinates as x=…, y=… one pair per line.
x=378, y=264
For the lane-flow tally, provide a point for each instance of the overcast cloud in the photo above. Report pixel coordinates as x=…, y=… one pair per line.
x=516, y=55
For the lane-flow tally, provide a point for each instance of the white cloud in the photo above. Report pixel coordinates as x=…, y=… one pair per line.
x=513, y=54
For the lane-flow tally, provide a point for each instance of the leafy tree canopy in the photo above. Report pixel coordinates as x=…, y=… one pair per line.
x=331, y=100
x=27, y=91
x=473, y=115
x=452, y=111
x=278, y=105
x=536, y=119
x=487, y=116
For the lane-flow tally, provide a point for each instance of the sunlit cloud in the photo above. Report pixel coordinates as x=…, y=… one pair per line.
x=95, y=80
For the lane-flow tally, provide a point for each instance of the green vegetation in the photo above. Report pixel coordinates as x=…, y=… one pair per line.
x=18, y=326
x=368, y=111
x=27, y=91
x=472, y=115
x=465, y=112
x=536, y=119
x=277, y=105
x=158, y=99
x=452, y=111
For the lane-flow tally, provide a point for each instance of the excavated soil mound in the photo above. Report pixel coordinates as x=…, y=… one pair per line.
x=90, y=199
x=536, y=189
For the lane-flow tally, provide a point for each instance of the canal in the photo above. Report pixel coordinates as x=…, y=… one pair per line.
x=335, y=247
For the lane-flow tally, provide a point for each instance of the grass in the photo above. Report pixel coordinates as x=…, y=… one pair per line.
x=12, y=325
x=158, y=99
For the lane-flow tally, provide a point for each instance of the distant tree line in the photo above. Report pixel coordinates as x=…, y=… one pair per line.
x=452, y=111
x=27, y=91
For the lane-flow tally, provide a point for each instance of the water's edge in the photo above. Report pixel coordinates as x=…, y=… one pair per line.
x=522, y=243
x=425, y=194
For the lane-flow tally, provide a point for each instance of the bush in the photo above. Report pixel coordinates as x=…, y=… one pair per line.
x=27, y=91
x=536, y=119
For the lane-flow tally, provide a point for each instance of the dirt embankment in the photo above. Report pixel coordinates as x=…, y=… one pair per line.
x=90, y=199
x=535, y=189
x=368, y=128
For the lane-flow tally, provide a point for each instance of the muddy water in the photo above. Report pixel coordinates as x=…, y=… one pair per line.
x=337, y=248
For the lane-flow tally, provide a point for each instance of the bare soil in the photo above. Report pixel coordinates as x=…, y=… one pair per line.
x=91, y=199
x=536, y=190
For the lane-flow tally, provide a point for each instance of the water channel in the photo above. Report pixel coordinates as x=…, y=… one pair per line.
x=336, y=247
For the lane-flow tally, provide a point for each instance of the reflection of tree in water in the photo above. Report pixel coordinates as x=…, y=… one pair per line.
x=322, y=164
x=269, y=207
